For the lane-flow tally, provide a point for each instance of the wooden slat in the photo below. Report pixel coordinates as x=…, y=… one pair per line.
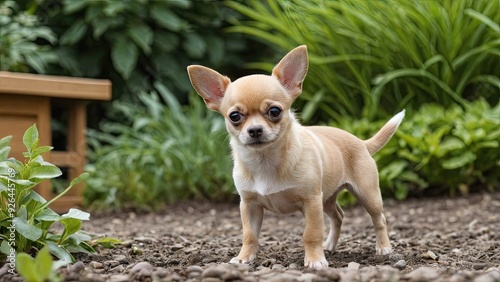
x=66, y=159
x=55, y=86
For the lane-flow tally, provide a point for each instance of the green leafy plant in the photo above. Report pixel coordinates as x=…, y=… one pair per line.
x=39, y=269
x=371, y=57
x=25, y=216
x=439, y=151
x=137, y=43
x=159, y=154
x=20, y=29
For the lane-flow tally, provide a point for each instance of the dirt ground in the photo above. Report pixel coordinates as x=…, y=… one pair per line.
x=439, y=239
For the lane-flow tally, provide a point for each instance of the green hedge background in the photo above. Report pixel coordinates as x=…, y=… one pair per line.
x=157, y=144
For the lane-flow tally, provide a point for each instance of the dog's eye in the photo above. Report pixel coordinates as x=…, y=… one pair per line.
x=235, y=116
x=274, y=112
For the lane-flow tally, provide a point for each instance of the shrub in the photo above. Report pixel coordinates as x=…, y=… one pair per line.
x=159, y=154
x=369, y=58
x=438, y=151
x=19, y=32
x=25, y=216
x=136, y=43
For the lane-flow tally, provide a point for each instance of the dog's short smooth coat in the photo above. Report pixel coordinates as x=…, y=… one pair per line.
x=283, y=166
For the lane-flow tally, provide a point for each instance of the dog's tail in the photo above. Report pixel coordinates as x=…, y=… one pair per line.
x=381, y=138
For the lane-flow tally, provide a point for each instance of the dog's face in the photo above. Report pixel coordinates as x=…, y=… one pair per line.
x=256, y=107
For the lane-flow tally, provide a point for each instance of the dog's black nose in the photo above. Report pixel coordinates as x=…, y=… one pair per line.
x=255, y=131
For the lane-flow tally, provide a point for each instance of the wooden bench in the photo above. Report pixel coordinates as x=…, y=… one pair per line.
x=26, y=99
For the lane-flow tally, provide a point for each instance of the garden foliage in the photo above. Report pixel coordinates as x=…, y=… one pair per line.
x=25, y=216
x=370, y=58
x=160, y=153
x=439, y=151
x=137, y=43
x=18, y=35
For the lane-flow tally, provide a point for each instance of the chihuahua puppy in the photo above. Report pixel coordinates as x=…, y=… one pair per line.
x=283, y=166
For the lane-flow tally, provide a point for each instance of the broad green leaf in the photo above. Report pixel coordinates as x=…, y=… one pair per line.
x=4, y=142
x=166, y=18
x=40, y=150
x=106, y=242
x=58, y=264
x=142, y=35
x=43, y=263
x=71, y=226
x=4, y=152
x=27, y=230
x=34, y=196
x=30, y=137
x=5, y=248
x=459, y=161
x=59, y=252
x=71, y=6
x=195, y=45
x=74, y=33
x=76, y=214
x=48, y=215
x=124, y=56
x=25, y=265
x=45, y=172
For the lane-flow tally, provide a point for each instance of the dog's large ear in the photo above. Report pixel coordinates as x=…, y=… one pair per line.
x=292, y=69
x=209, y=84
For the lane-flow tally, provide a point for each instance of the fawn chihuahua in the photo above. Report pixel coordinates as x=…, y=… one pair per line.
x=283, y=166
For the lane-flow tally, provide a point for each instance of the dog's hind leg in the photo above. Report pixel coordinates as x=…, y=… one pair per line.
x=335, y=214
x=368, y=193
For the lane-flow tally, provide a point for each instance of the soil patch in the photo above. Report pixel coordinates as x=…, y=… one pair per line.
x=433, y=239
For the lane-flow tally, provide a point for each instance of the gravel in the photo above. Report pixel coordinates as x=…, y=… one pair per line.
x=433, y=240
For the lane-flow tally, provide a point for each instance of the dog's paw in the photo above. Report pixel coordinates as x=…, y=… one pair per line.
x=316, y=264
x=328, y=245
x=241, y=261
x=383, y=251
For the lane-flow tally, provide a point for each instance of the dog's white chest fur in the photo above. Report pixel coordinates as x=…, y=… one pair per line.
x=262, y=184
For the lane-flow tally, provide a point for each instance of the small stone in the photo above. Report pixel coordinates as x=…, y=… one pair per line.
x=479, y=265
x=293, y=266
x=207, y=279
x=262, y=271
x=388, y=273
x=111, y=263
x=422, y=274
x=353, y=266
x=231, y=275
x=430, y=255
x=120, y=258
x=194, y=268
x=332, y=274
x=214, y=271
x=173, y=277
x=176, y=247
x=118, y=269
x=118, y=278
x=277, y=267
x=96, y=265
x=306, y=277
x=351, y=276
x=400, y=264
x=141, y=266
x=76, y=267
x=490, y=276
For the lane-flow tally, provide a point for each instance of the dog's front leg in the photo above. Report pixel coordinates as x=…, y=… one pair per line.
x=251, y=219
x=313, y=233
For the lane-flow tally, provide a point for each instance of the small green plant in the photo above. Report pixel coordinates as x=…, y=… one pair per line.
x=160, y=153
x=25, y=216
x=39, y=269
